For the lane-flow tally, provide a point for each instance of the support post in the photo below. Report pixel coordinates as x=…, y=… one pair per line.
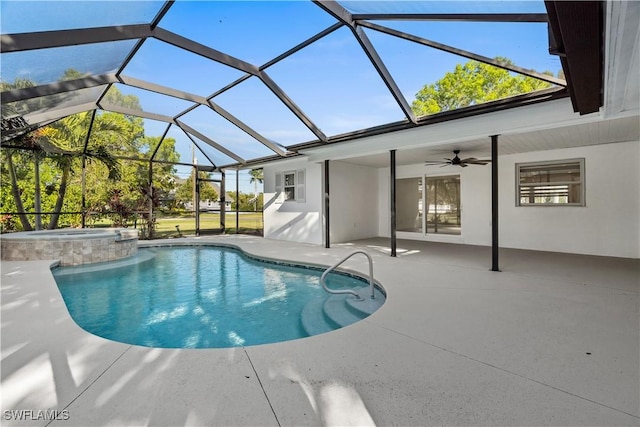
x=392, y=184
x=327, y=229
x=84, y=191
x=237, y=201
x=84, y=169
x=196, y=198
x=494, y=204
x=149, y=224
x=37, y=204
x=223, y=201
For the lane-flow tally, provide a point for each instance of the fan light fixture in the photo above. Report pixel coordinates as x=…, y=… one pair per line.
x=457, y=161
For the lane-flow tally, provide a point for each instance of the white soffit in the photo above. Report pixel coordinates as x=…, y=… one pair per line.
x=537, y=117
x=593, y=133
x=622, y=59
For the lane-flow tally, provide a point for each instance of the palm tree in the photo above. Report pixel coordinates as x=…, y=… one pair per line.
x=25, y=143
x=257, y=176
x=15, y=191
x=61, y=138
x=26, y=140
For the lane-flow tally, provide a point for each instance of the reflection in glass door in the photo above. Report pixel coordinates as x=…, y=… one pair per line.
x=443, y=204
x=409, y=204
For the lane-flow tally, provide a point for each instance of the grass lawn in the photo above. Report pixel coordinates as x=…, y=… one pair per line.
x=249, y=222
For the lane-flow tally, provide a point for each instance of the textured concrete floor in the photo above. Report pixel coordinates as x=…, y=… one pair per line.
x=553, y=339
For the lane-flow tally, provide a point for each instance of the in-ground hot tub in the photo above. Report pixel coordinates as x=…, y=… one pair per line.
x=72, y=246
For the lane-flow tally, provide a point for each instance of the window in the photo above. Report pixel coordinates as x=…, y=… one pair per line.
x=550, y=183
x=290, y=186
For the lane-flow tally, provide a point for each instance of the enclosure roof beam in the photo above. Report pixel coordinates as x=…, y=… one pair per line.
x=343, y=15
x=277, y=91
x=137, y=113
x=163, y=90
x=230, y=85
x=130, y=81
x=336, y=10
x=164, y=135
x=163, y=11
x=210, y=142
x=302, y=45
x=23, y=94
x=473, y=17
x=202, y=50
x=48, y=39
x=199, y=148
x=56, y=114
x=384, y=73
x=230, y=117
x=465, y=53
x=90, y=128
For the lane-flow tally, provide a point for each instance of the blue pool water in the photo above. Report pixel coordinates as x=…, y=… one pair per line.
x=201, y=297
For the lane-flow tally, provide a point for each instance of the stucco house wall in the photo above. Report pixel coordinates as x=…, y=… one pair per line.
x=607, y=225
x=353, y=201
x=297, y=221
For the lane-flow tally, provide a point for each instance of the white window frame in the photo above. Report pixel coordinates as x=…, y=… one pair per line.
x=581, y=182
x=291, y=186
x=298, y=186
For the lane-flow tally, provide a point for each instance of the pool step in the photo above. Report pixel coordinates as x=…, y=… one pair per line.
x=336, y=311
x=138, y=259
x=335, y=308
x=365, y=306
x=313, y=319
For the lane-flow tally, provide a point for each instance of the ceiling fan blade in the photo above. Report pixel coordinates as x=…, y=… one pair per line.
x=479, y=162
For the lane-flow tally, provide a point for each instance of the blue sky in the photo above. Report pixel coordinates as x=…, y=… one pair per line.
x=332, y=80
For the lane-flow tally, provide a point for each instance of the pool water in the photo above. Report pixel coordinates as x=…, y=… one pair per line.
x=196, y=297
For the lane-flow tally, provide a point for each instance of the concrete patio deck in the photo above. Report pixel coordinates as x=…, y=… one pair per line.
x=553, y=339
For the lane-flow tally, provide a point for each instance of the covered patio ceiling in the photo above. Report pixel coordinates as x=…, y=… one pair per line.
x=440, y=142
x=249, y=82
x=618, y=130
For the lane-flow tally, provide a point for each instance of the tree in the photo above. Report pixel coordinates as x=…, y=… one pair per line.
x=244, y=201
x=70, y=132
x=184, y=192
x=163, y=176
x=115, y=97
x=473, y=83
x=257, y=176
x=25, y=168
x=58, y=150
x=27, y=141
x=62, y=142
x=17, y=109
x=15, y=189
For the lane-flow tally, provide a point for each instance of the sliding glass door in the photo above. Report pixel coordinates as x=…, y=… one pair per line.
x=443, y=204
x=428, y=205
x=409, y=216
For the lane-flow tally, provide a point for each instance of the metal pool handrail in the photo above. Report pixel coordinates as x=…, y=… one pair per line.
x=348, y=291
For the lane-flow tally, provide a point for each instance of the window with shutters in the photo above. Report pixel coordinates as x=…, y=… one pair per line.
x=290, y=186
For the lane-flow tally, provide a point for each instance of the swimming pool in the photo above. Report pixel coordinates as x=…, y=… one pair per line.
x=208, y=297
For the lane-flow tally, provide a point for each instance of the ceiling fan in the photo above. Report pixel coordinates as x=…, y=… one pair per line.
x=457, y=161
